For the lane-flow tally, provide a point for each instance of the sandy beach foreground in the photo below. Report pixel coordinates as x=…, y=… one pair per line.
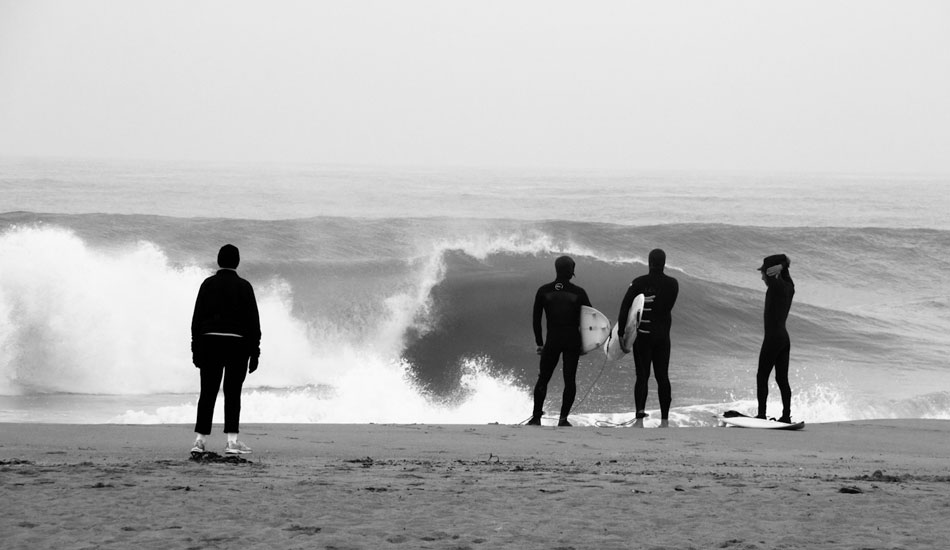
x=869, y=484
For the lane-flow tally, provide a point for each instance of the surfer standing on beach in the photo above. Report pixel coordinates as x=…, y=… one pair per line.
x=560, y=302
x=225, y=342
x=652, y=344
x=776, y=344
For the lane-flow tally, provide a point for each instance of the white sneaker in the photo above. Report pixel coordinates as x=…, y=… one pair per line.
x=236, y=448
x=199, y=447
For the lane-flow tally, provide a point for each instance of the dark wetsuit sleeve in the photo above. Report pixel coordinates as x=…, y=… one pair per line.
x=632, y=293
x=676, y=292
x=536, y=319
x=585, y=301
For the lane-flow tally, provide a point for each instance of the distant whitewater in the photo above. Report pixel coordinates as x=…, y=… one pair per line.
x=424, y=314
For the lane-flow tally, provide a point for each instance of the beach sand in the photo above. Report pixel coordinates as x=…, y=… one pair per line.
x=868, y=484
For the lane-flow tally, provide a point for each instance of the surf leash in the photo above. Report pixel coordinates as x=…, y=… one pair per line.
x=578, y=403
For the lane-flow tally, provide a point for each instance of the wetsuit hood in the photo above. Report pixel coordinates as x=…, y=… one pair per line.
x=657, y=260
x=564, y=266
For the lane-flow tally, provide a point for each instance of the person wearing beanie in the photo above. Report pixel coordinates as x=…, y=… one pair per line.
x=776, y=344
x=560, y=302
x=652, y=344
x=225, y=344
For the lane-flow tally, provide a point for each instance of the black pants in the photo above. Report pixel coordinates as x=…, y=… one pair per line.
x=220, y=357
x=549, y=358
x=652, y=350
x=774, y=354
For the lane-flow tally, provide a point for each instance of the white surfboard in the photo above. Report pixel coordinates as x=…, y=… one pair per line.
x=612, y=348
x=595, y=328
x=740, y=420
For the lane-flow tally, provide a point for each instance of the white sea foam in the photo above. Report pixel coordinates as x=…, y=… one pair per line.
x=383, y=394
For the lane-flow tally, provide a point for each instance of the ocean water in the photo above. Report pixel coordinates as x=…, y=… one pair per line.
x=404, y=295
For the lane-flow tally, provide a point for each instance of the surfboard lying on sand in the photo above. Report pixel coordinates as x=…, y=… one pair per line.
x=739, y=420
x=595, y=328
x=612, y=348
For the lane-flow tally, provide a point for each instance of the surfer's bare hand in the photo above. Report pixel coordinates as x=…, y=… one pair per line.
x=648, y=299
x=540, y=349
x=774, y=270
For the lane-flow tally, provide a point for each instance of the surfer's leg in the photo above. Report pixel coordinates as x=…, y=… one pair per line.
x=570, y=382
x=549, y=358
x=762, y=377
x=234, y=375
x=642, y=356
x=661, y=370
x=210, y=384
x=781, y=378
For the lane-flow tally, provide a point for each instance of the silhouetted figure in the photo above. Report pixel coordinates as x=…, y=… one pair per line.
x=652, y=344
x=225, y=342
x=776, y=345
x=560, y=302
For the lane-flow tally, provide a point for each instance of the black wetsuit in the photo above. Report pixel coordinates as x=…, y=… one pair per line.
x=652, y=345
x=225, y=333
x=776, y=345
x=561, y=302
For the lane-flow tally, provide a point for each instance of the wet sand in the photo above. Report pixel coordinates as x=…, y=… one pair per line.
x=868, y=484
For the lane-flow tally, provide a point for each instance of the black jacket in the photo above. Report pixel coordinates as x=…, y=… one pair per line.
x=226, y=304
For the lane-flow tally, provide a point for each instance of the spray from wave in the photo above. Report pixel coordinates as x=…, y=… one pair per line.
x=82, y=320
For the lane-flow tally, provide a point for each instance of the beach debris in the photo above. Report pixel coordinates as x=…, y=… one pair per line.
x=851, y=490
x=304, y=529
x=16, y=462
x=364, y=462
x=878, y=475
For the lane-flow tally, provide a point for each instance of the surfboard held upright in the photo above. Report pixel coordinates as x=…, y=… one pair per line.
x=595, y=328
x=612, y=348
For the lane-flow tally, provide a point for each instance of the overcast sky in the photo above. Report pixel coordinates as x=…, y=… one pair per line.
x=825, y=85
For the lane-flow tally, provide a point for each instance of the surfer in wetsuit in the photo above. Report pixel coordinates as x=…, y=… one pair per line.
x=225, y=343
x=776, y=344
x=560, y=302
x=652, y=344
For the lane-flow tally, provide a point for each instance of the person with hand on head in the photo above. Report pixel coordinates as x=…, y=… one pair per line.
x=560, y=302
x=776, y=345
x=652, y=344
x=225, y=343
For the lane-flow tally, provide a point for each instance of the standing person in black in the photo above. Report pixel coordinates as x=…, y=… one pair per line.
x=560, y=302
x=225, y=342
x=652, y=344
x=776, y=345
